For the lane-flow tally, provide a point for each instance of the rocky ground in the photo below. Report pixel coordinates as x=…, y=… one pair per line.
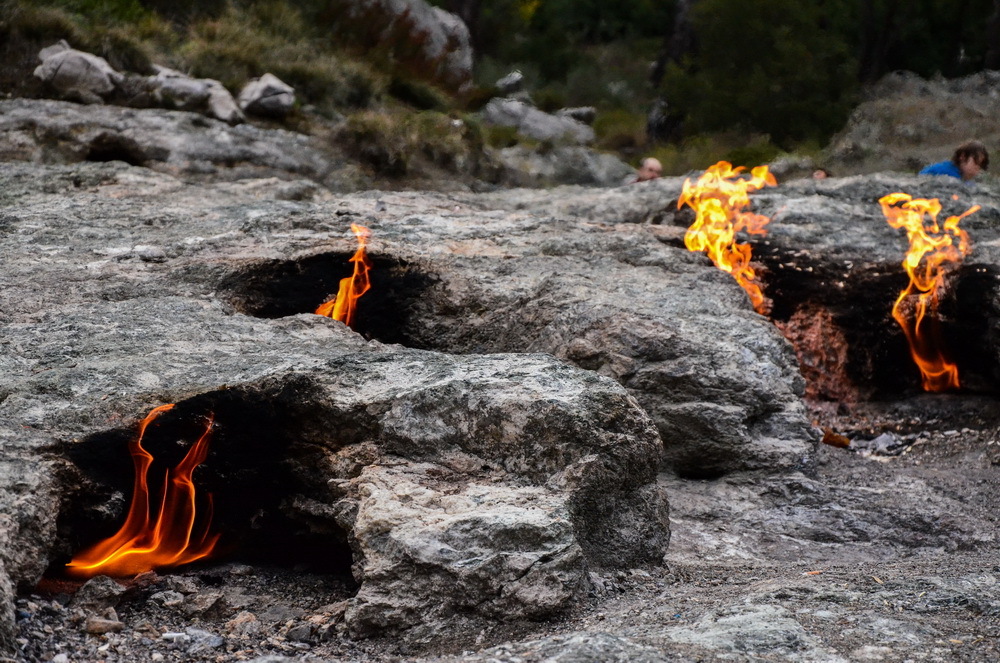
x=524, y=355
x=841, y=588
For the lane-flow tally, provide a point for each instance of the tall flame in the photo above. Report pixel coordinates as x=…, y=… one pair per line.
x=147, y=540
x=351, y=288
x=931, y=248
x=718, y=198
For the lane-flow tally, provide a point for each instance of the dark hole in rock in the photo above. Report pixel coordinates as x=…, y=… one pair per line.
x=114, y=147
x=262, y=470
x=839, y=317
x=279, y=288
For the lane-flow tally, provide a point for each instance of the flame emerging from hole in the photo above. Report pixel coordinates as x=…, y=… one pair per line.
x=352, y=287
x=717, y=199
x=931, y=248
x=146, y=540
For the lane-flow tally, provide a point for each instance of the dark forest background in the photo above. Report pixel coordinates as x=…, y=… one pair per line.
x=786, y=71
x=681, y=79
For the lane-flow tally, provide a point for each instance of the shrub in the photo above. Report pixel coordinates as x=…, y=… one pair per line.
x=498, y=136
x=417, y=93
x=22, y=22
x=376, y=140
x=549, y=99
x=120, y=48
x=620, y=130
x=397, y=143
x=236, y=46
x=700, y=152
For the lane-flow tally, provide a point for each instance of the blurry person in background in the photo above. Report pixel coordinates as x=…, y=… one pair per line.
x=970, y=159
x=649, y=169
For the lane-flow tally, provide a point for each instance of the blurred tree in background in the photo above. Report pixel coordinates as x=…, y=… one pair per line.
x=786, y=69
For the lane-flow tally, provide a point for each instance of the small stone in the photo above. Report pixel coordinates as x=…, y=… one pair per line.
x=176, y=638
x=168, y=598
x=97, y=594
x=157, y=657
x=243, y=625
x=99, y=626
x=199, y=604
x=60, y=658
x=150, y=253
x=202, y=641
x=144, y=580
x=300, y=633
x=182, y=584
x=281, y=613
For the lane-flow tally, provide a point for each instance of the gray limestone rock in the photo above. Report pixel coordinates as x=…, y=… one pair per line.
x=535, y=123
x=466, y=487
x=511, y=83
x=68, y=70
x=267, y=96
x=524, y=166
x=585, y=114
x=174, y=141
x=172, y=89
x=436, y=43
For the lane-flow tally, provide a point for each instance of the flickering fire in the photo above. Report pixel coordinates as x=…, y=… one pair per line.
x=351, y=288
x=718, y=199
x=158, y=532
x=932, y=247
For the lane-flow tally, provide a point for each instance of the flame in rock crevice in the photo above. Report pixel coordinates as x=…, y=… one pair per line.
x=163, y=536
x=932, y=247
x=718, y=198
x=352, y=287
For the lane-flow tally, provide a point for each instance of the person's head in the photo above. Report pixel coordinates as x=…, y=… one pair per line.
x=649, y=169
x=971, y=158
x=820, y=174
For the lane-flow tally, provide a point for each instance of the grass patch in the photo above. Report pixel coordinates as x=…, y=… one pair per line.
x=233, y=45
x=399, y=143
x=700, y=152
x=620, y=130
x=239, y=45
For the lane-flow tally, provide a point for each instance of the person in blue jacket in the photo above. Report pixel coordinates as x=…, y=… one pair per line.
x=969, y=160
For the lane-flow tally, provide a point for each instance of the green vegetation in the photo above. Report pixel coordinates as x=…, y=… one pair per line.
x=743, y=79
x=397, y=144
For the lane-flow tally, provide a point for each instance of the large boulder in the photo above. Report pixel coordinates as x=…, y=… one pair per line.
x=177, y=142
x=720, y=381
x=172, y=89
x=76, y=73
x=466, y=487
x=427, y=41
x=835, y=266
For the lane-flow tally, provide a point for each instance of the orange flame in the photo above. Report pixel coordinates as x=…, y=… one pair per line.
x=930, y=249
x=352, y=287
x=717, y=199
x=146, y=542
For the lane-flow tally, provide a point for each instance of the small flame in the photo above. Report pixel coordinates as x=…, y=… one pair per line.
x=149, y=541
x=352, y=287
x=717, y=199
x=931, y=248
